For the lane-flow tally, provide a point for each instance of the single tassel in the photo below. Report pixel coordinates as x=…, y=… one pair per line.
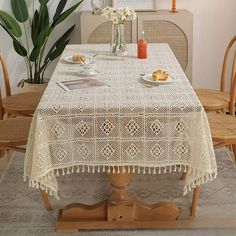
x=128, y=169
x=133, y=169
x=165, y=170
x=63, y=172
x=123, y=170
x=139, y=170
x=144, y=170
x=154, y=171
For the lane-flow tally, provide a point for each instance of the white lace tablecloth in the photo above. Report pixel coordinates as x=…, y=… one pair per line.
x=126, y=124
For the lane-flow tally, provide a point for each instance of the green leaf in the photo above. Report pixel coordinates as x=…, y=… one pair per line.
x=20, y=10
x=65, y=14
x=39, y=43
x=43, y=19
x=11, y=24
x=19, y=48
x=60, y=8
x=59, y=42
x=58, y=51
x=34, y=31
x=42, y=1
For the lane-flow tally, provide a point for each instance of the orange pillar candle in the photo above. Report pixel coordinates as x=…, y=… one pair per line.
x=142, y=47
x=173, y=8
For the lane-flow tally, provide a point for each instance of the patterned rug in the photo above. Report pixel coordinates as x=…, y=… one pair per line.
x=22, y=211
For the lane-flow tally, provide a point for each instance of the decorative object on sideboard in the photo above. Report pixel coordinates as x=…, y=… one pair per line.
x=118, y=18
x=97, y=5
x=137, y=5
x=173, y=6
x=32, y=44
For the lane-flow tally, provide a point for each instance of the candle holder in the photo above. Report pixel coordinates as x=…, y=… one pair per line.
x=173, y=7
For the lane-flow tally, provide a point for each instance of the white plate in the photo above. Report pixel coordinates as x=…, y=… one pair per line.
x=70, y=60
x=148, y=78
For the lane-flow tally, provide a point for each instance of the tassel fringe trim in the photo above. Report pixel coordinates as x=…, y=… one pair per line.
x=199, y=176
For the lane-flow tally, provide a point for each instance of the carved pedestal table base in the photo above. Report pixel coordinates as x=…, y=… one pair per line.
x=120, y=210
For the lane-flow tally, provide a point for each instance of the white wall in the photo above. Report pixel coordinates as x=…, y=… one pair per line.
x=214, y=26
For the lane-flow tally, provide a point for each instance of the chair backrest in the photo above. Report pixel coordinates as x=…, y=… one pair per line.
x=225, y=65
x=233, y=96
x=5, y=76
x=1, y=107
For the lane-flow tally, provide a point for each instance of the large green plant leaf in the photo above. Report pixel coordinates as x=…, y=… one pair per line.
x=60, y=8
x=10, y=24
x=34, y=30
x=43, y=19
x=58, y=43
x=40, y=43
x=20, y=10
x=42, y=1
x=19, y=48
x=65, y=14
x=58, y=51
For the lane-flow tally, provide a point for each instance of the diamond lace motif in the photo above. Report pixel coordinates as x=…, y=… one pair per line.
x=156, y=127
x=132, y=127
x=157, y=151
x=107, y=127
x=82, y=128
x=180, y=150
x=60, y=153
x=181, y=127
x=83, y=151
x=107, y=151
x=58, y=129
x=132, y=151
x=57, y=108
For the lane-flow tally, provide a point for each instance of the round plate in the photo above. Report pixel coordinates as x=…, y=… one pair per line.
x=148, y=78
x=70, y=60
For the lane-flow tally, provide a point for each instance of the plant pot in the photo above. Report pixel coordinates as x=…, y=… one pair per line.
x=28, y=87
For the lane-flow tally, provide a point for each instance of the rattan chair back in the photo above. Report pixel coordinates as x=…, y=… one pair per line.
x=5, y=76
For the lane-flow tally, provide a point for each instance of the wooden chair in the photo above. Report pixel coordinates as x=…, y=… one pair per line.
x=13, y=134
x=223, y=127
x=218, y=100
x=19, y=104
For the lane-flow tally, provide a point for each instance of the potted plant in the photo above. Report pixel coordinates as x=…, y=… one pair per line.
x=31, y=44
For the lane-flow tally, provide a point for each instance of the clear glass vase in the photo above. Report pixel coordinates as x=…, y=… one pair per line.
x=118, y=46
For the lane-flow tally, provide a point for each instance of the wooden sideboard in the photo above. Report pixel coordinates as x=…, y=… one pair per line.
x=161, y=26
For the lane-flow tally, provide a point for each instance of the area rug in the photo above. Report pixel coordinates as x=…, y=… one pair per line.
x=22, y=211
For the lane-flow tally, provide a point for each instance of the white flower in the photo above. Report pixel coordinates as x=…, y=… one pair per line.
x=118, y=16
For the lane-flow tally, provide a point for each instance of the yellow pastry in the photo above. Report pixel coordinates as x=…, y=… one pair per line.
x=160, y=75
x=79, y=58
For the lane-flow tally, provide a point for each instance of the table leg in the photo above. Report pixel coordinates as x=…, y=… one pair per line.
x=196, y=195
x=120, y=210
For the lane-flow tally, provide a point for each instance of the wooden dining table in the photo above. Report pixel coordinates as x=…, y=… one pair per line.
x=126, y=126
